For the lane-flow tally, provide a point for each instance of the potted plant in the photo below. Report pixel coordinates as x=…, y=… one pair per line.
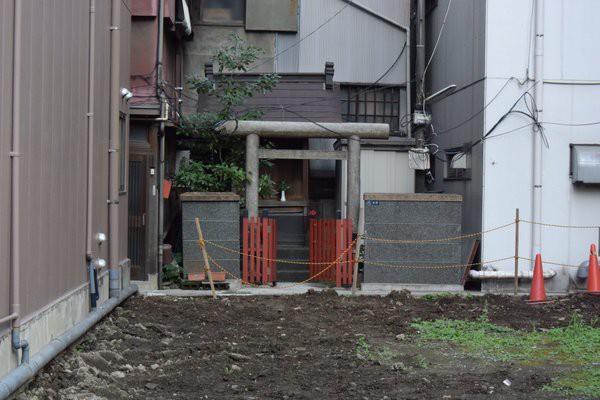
x=283, y=187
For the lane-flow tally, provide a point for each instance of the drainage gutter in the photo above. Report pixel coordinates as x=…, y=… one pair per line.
x=24, y=372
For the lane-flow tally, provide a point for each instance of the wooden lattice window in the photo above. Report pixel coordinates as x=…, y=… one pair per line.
x=365, y=103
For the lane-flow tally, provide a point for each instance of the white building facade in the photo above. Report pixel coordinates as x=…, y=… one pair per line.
x=538, y=61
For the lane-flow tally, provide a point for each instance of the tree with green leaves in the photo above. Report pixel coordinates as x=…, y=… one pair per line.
x=217, y=162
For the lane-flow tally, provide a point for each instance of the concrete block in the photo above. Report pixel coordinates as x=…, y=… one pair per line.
x=413, y=217
x=437, y=253
x=192, y=251
x=210, y=211
x=412, y=231
x=212, y=230
x=417, y=212
x=232, y=266
x=219, y=215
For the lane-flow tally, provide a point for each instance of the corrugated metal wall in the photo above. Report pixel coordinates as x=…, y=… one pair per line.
x=125, y=27
x=53, y=140
x=53, y=131
x=6, y=48
x=101, y=129
x=362, y=46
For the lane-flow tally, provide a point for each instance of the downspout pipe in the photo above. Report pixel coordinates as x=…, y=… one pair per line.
x=161, y=137
x=420, y=53
x=538, y=94
x=22, y=374
x=15, y=156
x=113, y=151
x=420, y=69
x=90, y=153
x=408, y=88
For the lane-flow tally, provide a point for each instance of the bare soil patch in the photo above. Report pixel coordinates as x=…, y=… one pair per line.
x=318, y=345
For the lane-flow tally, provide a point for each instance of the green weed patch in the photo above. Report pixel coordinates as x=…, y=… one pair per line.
x=575, y=345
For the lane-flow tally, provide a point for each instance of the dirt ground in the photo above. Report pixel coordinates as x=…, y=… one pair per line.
x=296, y=347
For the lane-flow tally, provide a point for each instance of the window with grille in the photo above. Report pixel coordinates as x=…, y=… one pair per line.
x=219, y=12
x=367, y=103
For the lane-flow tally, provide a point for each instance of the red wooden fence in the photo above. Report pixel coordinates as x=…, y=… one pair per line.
x=259, y=238
x=329, y=239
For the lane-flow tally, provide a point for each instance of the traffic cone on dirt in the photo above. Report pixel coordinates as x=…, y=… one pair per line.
x=537, y=294
x=593, y=283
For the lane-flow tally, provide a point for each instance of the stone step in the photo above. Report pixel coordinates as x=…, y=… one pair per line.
x=287, y=272
x=292, y=276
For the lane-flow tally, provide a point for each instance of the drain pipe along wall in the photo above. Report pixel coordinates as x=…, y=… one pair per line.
x=90, y=156
x=161, y=137
x=113, y=151
x=22, y=374
x=15, y=234
x=538, y=94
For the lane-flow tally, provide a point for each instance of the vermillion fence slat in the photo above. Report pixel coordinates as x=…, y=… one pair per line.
x=251, y=254
x=245, y=249
x=259, y=238
x=259, y=277
x=329, y=240
x=349, y=254
x=311, y=245
x=274, y=244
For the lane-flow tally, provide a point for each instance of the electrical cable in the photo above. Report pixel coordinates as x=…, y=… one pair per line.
x=320, y=125
x=433, y=53
x=302, y=39
x=530, y=40
x=574, y=124
x=483, y=109
x=369, y=89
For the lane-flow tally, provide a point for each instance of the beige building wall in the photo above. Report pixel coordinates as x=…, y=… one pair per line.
x=53, y=158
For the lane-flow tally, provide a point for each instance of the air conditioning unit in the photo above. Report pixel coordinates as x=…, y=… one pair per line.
x=585, y=163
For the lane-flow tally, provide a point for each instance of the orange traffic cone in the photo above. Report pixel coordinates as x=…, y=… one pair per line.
x=537, y=295
x=593, y=283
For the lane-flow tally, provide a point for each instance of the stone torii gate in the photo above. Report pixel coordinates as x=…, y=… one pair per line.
x=254, y=130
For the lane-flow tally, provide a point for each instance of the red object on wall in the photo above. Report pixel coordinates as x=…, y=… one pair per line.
x=259, y=248
x=329, y=243
x=167, y=188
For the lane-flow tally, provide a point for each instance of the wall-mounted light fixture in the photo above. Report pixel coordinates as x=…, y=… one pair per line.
x=126, y=94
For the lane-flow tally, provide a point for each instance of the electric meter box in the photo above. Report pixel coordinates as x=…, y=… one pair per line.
x=585, y=163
